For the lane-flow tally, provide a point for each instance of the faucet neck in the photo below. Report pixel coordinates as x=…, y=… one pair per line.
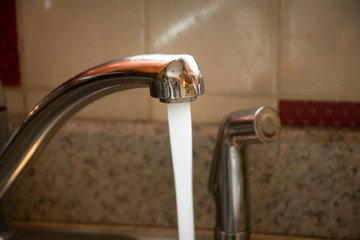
x=30, y=138
x=172, y=78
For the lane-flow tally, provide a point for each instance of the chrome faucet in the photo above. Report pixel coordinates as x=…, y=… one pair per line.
x=171, y=79
x=229, y=172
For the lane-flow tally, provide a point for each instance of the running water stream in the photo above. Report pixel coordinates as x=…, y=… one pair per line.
x=179, y=116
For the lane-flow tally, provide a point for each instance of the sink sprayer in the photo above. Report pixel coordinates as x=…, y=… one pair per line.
x=229, y=172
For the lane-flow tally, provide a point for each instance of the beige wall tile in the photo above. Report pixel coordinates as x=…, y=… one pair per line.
x=128, y=105
x=158, y=110
x=33, y=97
x=320, y=50
x=212, y=109
x=60, y=38
x=15, y=102
x=233, y=41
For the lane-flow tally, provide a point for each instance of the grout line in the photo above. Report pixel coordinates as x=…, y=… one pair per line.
x=20, y=45
x=279, y=45
x=143, y=46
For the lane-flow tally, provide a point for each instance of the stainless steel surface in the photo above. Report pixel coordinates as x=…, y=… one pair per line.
x=228, y=178
x=171, y=78
x=220, y=235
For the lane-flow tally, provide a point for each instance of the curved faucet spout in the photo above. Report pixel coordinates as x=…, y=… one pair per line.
x=171, y=78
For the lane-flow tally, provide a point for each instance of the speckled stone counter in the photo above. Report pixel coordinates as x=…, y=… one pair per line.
x=120, y=173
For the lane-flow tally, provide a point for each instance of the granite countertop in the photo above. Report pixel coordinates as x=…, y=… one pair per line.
x=120, y=174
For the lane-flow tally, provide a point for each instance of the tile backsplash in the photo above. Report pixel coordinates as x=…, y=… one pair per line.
x=251, y=52
x=319, y=50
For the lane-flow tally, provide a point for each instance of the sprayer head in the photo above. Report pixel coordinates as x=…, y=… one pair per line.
x=250, y=126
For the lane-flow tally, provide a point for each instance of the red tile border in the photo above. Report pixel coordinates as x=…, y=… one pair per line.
x=319, y=113
x=9, y=57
